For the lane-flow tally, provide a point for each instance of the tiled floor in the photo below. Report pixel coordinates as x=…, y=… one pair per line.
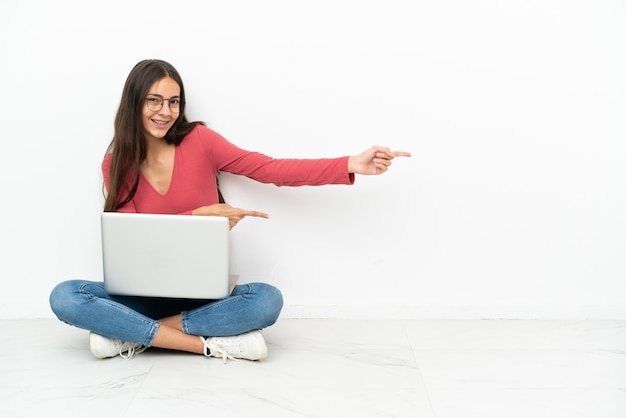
x=330, y=368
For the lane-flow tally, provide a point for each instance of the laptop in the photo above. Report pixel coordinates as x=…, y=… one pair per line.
x=173, y=256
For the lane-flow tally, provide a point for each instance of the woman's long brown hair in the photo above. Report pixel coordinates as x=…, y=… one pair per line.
x=129, y=147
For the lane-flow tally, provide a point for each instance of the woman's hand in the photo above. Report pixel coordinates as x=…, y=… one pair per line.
x=234, y=215
x=375, y=160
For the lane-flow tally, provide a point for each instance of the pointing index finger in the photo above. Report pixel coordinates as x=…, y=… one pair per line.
x=256, y=213
x=401, y=154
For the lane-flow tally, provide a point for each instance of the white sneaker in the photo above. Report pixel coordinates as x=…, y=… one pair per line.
x=248, y=346
x=103, y=347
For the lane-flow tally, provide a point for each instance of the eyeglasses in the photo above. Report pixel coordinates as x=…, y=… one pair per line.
x=155, y=103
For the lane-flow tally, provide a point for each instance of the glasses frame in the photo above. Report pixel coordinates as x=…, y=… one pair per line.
x=169, y=103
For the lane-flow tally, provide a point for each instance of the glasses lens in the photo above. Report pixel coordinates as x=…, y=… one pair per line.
x=175, y=105
x=154, y=103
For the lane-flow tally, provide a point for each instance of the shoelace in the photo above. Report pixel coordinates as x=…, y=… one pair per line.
x=215, y=349
x=131, y=350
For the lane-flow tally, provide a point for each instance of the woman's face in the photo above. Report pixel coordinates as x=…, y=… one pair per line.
x=161, y=108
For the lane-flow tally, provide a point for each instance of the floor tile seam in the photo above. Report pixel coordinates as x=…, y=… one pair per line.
x=417, y=365
x=136, y=392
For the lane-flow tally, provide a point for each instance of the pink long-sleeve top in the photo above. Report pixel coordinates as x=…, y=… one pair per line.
x=204, y=152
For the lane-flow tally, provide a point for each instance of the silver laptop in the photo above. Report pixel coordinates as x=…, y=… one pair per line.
x=176, y=256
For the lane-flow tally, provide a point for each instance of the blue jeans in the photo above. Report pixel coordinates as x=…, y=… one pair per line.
x=85, y=304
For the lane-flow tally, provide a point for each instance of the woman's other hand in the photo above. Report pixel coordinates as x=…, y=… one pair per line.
x=233, y=214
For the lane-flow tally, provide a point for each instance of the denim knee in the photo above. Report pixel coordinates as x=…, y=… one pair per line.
x=62, y=298
x=67, y=297
x=270, y=301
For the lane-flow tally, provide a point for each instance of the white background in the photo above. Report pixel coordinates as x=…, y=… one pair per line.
x=512, y=205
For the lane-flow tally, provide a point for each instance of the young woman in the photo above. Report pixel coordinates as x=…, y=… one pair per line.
x=159, y=162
